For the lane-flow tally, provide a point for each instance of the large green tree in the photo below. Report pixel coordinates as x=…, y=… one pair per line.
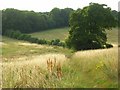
x=88, y=27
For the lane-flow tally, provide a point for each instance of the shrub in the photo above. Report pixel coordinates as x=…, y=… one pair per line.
x=34, y=40
x=48, y=42
x=61, y=44
x=21, y=37
x=15, y=34
x=42, y=41
x=18, y=35
x=55, y=42
x=109, y=45
x=27, y=37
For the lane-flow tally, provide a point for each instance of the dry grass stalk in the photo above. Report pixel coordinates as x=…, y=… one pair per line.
x=59, y=71
x=52, y=66
x=49, y=65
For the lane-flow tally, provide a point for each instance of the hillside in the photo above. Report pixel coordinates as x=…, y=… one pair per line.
x=59, y=33
x=25, y=64
x=62, y=33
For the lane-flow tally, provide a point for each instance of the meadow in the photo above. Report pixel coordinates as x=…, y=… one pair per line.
x=62, y=33
x=59, y=33
x=25, y=64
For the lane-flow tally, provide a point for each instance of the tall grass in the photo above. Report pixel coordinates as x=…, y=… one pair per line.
x=28, y=73
x=27, y=66
x=87, y=69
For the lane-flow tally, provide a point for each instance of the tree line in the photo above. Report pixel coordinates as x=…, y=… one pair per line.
x=26, y=37
x=30, y=21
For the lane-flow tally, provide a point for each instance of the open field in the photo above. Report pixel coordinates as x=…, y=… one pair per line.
x=25, y=64
x=60, y=33
x=16, y=48
x=112, y=35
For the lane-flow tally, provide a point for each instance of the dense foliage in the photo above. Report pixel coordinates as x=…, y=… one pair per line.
x=88, y=27
x=30, y=21
x=0, y=22
x=118, y=19
x=18, y=35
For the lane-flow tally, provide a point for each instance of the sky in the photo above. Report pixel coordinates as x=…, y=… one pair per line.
x=48, y=5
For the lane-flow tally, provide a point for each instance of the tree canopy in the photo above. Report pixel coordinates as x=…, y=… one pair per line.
x=88, y=27
x=30, y=21
x=118, y=19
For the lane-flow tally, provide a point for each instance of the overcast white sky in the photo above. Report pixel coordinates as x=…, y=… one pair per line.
x=47, y=5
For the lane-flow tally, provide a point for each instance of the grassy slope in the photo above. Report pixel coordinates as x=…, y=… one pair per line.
x=60, y=33
x=15, y=48
x=92, y=68
x=112, y=35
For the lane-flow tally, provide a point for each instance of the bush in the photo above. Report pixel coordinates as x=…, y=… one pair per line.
x=109, y=45
x=18, y=35
x=21, y=37
x=27, y=37
x=55, y=42
x=48, y=42
x=42, y=41
x=15, y=34
x=34, y=40
x=61, y=44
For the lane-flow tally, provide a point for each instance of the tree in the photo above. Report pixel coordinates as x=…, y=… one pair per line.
x=56, y=15
x=0, y=22
x=30, y=21
x=60, y=16
x=118, y=19
x=88, y=27
x=115, y=14
x=65, y=13
x=55, y=42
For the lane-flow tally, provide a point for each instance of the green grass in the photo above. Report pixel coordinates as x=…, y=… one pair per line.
x=60, y=33
x=23, y=66
x=112, y=35
x=86, y=69
x=14, y=48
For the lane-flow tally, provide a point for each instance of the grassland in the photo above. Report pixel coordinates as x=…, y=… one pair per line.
x=25, y=65
x=60, y=33
x=112, y=35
